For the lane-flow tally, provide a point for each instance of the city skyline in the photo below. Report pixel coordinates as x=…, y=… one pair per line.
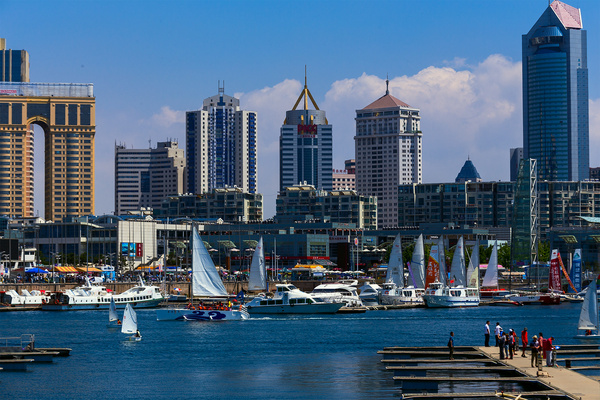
x=458, y=62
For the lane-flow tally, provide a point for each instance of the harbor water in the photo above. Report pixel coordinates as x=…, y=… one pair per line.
x=282, y=357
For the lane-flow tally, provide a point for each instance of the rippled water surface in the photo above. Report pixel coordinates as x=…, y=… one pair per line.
x=305, y=357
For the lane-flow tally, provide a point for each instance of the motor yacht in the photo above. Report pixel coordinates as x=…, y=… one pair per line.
x=288, y=299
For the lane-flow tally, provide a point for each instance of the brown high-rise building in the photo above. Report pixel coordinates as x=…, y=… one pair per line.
x=66, y=113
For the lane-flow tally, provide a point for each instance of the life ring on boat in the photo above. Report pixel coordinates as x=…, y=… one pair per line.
x=55, y=301
x=43, y=301
x=386, y=292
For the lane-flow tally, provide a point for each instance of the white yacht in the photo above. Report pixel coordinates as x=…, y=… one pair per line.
x=369, y=294
x=393, y=292
x=337, y=292
x=288, y=299
x=26, y=298
x=390, y=294
x=93, y=297
x=439, y=295
x=456, y=294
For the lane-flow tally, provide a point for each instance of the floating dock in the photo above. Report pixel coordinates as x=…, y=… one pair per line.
x=479, y=373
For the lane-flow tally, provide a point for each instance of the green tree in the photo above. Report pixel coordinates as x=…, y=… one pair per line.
x=544, y=252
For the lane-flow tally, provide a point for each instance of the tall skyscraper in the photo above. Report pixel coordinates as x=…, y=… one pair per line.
x=306, y=146
x=146, y=177
x=555, y=94
x=387, y=149
x=14, y=64
x=221, y=146
x=66, y=113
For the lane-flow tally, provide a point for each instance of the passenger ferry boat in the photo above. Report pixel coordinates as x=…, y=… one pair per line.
x=93, y=297
x=288, y=299
x=438, y=295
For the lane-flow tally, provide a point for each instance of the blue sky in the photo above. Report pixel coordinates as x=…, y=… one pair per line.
x=150, y=61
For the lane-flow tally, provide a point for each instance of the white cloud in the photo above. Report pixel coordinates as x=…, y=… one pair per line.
x=167, y=117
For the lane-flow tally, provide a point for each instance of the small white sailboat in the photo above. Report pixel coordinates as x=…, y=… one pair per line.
x=130, y=325
x=257, y=281
x=206, y=282
x=588, y=318
x=456, y=293
x=393, y=292
x=113, y=317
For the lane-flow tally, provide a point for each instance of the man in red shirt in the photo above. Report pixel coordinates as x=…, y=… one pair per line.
x=548, y=347
x=524, y=341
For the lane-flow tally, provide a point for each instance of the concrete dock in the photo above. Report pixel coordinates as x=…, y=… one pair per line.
x=478, y=373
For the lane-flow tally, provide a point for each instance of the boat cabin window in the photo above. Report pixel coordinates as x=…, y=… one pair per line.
x=278, y=301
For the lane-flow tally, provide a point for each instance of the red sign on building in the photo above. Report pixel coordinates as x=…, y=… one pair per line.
x=307, y=130
x=139, y=249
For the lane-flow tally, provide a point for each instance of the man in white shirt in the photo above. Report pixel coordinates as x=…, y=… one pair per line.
x=497, y=333
x=487, y=334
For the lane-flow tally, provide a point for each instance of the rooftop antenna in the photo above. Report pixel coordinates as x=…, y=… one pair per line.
x=149, y=143
x=387, y=84
x=306, y=94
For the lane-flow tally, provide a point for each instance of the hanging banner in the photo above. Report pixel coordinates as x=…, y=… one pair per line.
x=576, y=271
x=554, y=273
x=433, y=267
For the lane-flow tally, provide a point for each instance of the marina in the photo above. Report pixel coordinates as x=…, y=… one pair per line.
x=330, y=355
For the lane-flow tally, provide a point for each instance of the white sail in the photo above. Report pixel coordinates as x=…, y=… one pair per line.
x=112, y=311
x=473, y=270
x=129, y=320
x=442, y=261
x=490, y=279
x=417, y=264
x=457, y=271
x=395, y=269
x=258, y=270
x=205, y=278
x=588, y=319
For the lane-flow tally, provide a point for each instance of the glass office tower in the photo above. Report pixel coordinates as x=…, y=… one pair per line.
x=555, y=94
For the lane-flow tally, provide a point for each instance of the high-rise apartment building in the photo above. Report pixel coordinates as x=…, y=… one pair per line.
x=516, y=155
x=555, y=94
x=306, y=146
x=344, y=179
x=387, y=152
x=146, y=177
x=66, y=113
x=221, y=146
x=14, y=64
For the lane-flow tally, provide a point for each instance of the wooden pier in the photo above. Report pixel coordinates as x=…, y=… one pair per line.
x=17, y=352
x=478, y=373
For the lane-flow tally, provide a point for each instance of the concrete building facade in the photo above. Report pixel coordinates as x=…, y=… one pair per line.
x=306, y=147
x=221, y=146
x=145, y=177
x=388, y=153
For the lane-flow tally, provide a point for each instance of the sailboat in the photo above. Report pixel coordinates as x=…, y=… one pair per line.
x=206, y=282
x=393, y=291
x=130, y=325
x=257, y=281
x=588, y=318
x=456, y=293
x=113, y=318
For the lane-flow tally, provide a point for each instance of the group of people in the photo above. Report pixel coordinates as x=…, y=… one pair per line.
x=508, y=344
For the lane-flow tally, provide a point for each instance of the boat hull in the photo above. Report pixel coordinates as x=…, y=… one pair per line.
x=184, y=314
x=99, y=306
x=321, y=308
x=543, y=299
x=433, y=301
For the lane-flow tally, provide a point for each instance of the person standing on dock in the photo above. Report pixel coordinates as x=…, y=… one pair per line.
x=541, y=340
x=498, y=333
x=500, y=340
x=451, y=345
x=487, y=333
x=535, y=348
x=548, y=347
x=524, y=341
